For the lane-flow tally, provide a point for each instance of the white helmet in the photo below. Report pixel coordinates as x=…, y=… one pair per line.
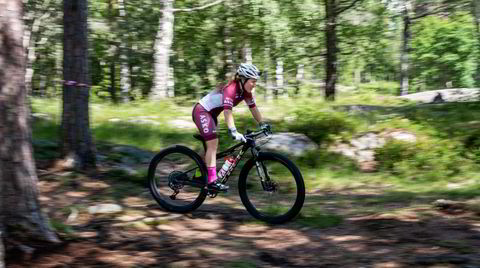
x=248, y=71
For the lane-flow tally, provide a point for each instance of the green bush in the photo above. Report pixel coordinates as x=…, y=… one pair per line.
x=472, y=147
x=320, y=125
x=426, y=160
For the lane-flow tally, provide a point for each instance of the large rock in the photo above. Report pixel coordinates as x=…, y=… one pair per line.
x=137, y=154
x=362, y=147
x=445, y=95
x=290, y=143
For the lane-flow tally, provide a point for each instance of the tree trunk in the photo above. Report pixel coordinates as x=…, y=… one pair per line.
x=58, y=67
x=247, y=53
x=163, y=44
x=279, y=78
x=299, y=77
x=268, y=86
x=37, y=15
x=476, y=16
x=113, y=88
x=170, y=83
x=124, y=48
x=19, y=207
x=112, y=55
x=76, y=142
x=331, y=39
x=404, y=62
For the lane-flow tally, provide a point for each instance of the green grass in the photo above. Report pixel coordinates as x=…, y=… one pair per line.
x=240, y=264
x=446, y=152
x=318, y=219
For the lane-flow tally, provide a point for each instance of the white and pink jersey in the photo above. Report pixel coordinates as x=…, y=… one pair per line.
x=231, y=95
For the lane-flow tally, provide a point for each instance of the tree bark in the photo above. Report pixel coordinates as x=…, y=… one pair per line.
x=404, y=61
x=125, y=82
x=279, y=78
x=113, y=88
x=331, y=39
x=37, y=15
x=299, y=77
x=247, y=53
x=163, y=44
x=163, y=73
x=476, y=16
x=19, y=206
x=268, y=86
x=76, y=142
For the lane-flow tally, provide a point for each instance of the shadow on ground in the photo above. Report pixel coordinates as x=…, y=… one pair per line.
x=377, y=230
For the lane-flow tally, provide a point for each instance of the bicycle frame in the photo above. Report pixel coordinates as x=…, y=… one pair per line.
x=250, y=144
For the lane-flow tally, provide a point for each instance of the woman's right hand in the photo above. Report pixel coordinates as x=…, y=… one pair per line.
x=236, y=136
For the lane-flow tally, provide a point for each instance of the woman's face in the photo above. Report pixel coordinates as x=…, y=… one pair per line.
x=250, y=84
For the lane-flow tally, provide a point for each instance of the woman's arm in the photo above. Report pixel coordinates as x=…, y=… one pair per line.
x=229, y=119
x=256, y=114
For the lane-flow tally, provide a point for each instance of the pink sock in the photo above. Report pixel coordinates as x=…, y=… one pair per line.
x=212, y=174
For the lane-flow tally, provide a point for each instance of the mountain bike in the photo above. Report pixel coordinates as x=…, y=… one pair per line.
x=270, y=185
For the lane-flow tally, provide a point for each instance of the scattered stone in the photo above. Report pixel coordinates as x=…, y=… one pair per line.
x=291, y=143
x=105, y=209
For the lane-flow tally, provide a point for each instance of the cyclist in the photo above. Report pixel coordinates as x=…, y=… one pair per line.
x=206, y=111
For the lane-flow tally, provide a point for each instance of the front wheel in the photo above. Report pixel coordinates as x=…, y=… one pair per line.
x=271, y=188
x=177, y=177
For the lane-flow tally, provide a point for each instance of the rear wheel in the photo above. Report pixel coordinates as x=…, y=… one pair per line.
x=271, y=188
x=177, y=177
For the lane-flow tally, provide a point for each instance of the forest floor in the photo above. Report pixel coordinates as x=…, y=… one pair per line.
x=376, y=230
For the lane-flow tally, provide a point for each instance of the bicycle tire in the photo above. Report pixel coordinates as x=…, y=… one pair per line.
x=177, y=149
x=300, y=186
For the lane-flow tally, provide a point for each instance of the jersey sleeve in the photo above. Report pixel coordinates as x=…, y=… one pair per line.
x=249, y=99
x=229, y=96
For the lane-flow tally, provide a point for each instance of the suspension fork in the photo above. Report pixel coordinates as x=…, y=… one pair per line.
x=261, y=169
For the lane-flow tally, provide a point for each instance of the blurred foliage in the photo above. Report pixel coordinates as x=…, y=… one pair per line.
x=443, y=50
x=321, y=125
x=369, y=37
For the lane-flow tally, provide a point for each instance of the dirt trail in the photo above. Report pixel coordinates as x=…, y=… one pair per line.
x=222, y=234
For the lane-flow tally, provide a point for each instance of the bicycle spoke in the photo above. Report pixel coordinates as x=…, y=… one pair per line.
x=271, y=189
x=170, y=177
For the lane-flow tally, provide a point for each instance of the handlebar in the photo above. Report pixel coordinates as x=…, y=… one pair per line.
x=253, y=134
